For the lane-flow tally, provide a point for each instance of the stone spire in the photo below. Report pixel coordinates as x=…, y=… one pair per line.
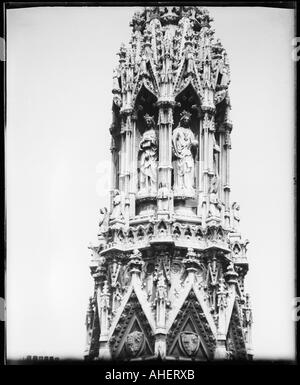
x=170, y=265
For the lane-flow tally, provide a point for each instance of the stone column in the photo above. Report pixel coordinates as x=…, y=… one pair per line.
x=208, y=131
x=104, y=307
x=205, y=153
x=114, y=170
x=89, y=325
x=153, y=23
x=227, y=147
x=135, y=266
x=122, y=155
x=126, y=160
x=128, y=153
x=160, y=332
x=129, y=81
x=114, y=134
x=165, y=121
x=222, y=165
x=231, y=278
x=102, y=298
x=133, y=168
x=200, y=164
x=211, y=133
x=221, y=352
x=248, y=322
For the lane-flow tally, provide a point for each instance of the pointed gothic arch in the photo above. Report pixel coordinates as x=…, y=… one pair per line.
x=130, y=235
x=121, y=235
x=191, y=319
x=199, y=234
x=132, y=320
x=189, y=100
x=140, y=233
x=176, y=231
x=144, y=99
x=235, y=340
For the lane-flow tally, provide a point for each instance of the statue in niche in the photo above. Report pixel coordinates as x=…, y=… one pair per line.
x=183, y=142
x=214, y=202
x=117, y=206
x=148, y=157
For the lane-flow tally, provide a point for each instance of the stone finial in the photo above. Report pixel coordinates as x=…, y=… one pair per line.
x=221, y=294
x=103, y=220
x=161, y=287
x=231, y=275
x=135, y=262
x=191, y=261
x=100, y=273
x=122, y=53
x=247, y=310
x=89, y=313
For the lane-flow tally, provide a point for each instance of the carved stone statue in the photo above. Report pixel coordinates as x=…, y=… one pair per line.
x=143, y=65
x=214, y=202
x=116, y=86
x=117, y=206
x=103, y=221
x=190, y=61
x=183, y=142
x=148, y=158
x=161, y=288
x=235, y=209
x=216, y=155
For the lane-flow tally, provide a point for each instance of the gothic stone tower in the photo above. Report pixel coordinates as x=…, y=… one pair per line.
x=170, y=265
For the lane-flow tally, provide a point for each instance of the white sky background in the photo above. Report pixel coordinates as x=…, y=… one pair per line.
x=59, y=80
